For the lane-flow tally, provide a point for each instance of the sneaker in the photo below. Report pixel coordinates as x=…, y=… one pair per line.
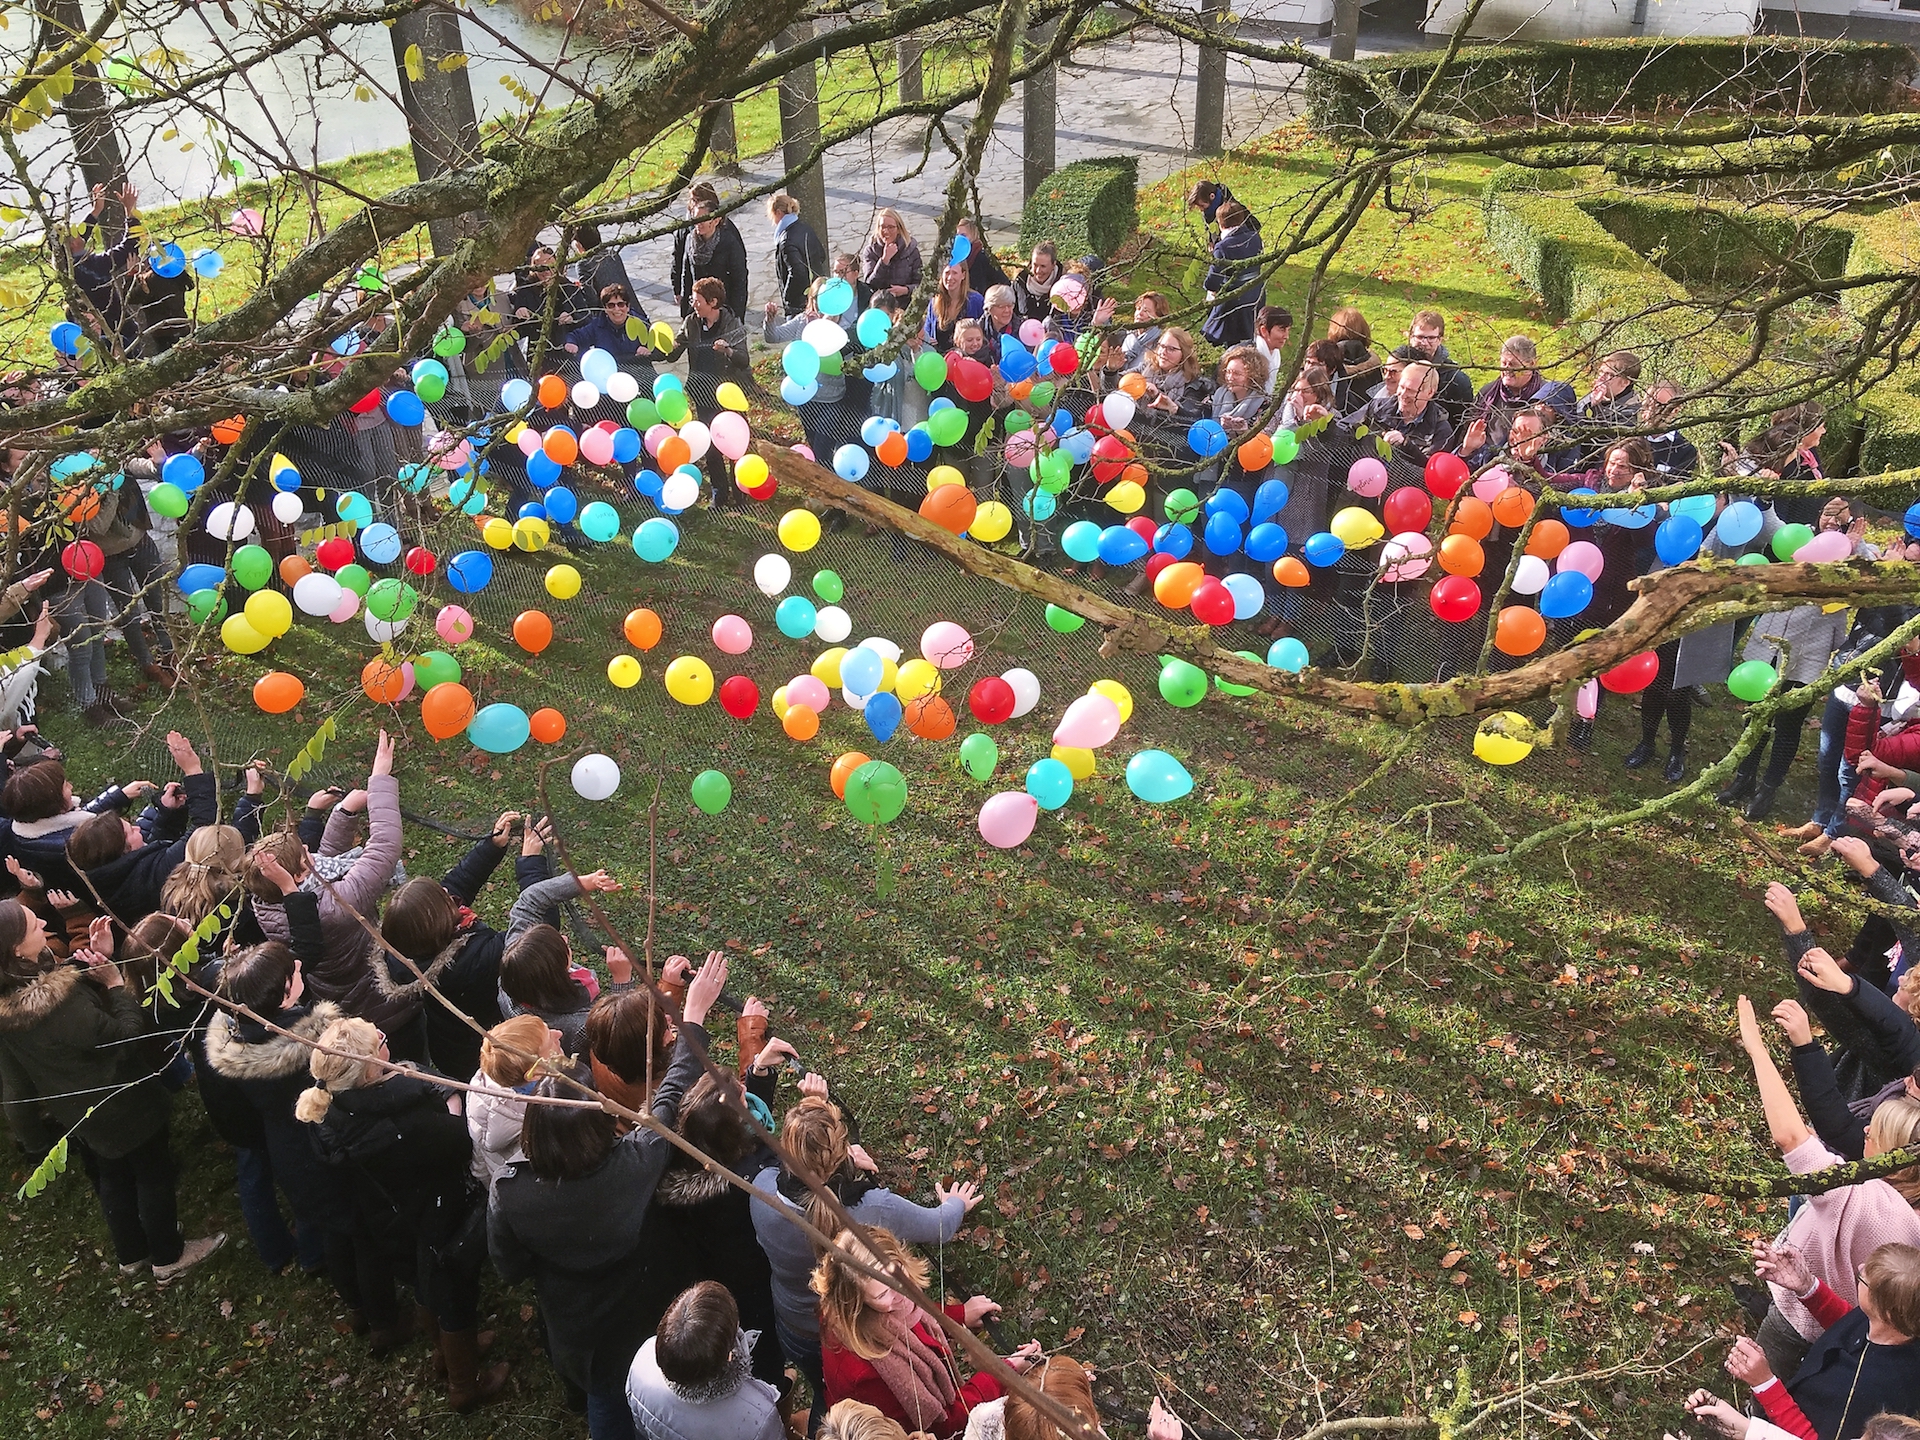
x=190, y=1255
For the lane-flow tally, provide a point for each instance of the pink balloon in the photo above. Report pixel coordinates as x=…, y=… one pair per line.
x=1032, y=332
x=1586, y=701
x=1581, y=555
x=247, y=222
x=596, y=446
x=1407, y=556
x=348, y=607
x=803, y=450
x=657, y=435
x=1488, y=487
x=810, y=691
x=459, y=455
x=730, y=435
x=1006, y=820
x=1090, y=722
x=734, y=636
x=946, y=644
x=1368, y=476
x=1827, y=546
x=1020, y=449
x=406, y=678
x=453, y=625
x=528, y=442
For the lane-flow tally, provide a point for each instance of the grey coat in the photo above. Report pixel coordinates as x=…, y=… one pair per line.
x=662, y=1410
x=1807, y=633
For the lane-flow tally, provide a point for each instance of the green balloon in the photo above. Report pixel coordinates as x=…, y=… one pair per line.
x=391, y=599
x=642, y=413
x=355, y=578
x=1017, y=420
x=1789, y=538
x=1754, y=559
x=979, y=754
x=1286, y=445
x=1056, y=471
x=1065, y=621
x=1182, y=507
x=430, y=388
x=205, y=605
x=168, y=499
x=436, y=667
x=876, y=793
x=1182, y=684
x=1041, y=395
x=930, y=370
x=948, y=427
x=711, y=791
x=450, y=341
x=830, y=364
x=252, y=566
x=830, y=588
x=1752, y=679
x=673, y=407
x=1227, y=687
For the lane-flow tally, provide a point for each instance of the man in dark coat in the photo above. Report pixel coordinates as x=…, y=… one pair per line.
x=1407, y=417
x=1234, y=286
x=1427, y=341
x=798, y=255
x=710, y=246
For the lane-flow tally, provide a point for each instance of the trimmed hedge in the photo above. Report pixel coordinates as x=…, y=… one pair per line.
x=1087, y=208
x=1707, y=245
x=1592, y=77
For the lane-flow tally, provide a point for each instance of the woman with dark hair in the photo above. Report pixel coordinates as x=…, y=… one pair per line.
x=798, y=256
x=42, y=811
x=690, y=1381
x=538, y=977
x=609, y=328
x=714, y=340
x=1790, y=448
x=572, y=1217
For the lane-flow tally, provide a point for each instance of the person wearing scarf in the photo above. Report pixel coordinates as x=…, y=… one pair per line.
x=692, y=1380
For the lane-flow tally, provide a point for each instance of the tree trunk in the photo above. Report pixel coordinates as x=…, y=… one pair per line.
x=96, y=140
x=442, y=125
x=800, y=131
x=910, y=55
x=723, y=150
x=1038, y=116
x=1346, y=30
x=1210, y=103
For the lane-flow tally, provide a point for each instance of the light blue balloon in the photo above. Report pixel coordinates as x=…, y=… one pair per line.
x=599, y=521
x=1287, y=654
x=562, y=505
x=796, y=617
x=873, y=328
x=1739, y=523
x=500, y=729
x=429, y=370
x=1266, y=543
x=1697, y=508
x=1050, y=783
x=962, y=248
x=380, y=543
x=877, y=373
x=883, y=713
x=597, y=367
x=514, y=394
x=70, y=465
x=200, y=577
x=794, y=393
x=666, y=380
x=1678, y=539
x=470, y=571
x=1156, y=777
x=1039, y=505
x=1269, y=500
x=654, y=540
x=800, y=362
x=413, y=476
x=837, y=297
x=1567, y=594
x=876, y=428
x=1913, y=520
x=850, y=462
x=474, y=504
x=1637, y=517
x=355, y=507
x=1249, y=599
x=1173, y=539
x=1079, y=444
x=1081, y=542
x=861, y=671
x=208, y=263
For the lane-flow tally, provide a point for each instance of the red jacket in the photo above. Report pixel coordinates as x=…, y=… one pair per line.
x=849, y=1377
x=1901, y=748
x=1828, y=1308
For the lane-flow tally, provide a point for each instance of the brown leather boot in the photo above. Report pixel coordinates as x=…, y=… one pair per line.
x=750, y=1031
x=468, y=1385
x=385, y=1342
x=430, y=1327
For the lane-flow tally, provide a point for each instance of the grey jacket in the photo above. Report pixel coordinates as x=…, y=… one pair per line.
x=532, y=909
x=1807, y=633
x=734, y=1407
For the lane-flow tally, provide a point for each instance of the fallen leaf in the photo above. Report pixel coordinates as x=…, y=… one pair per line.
x=1452, y=1258
x=1414, y=1232
x=1467, y=1317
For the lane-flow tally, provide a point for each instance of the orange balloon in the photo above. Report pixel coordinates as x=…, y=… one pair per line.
x=228, y=432
x=892, y=451
x=843, y=769
x=293, y=569
x=447, y=710
x=1472, y=518
x=277, y=692
x=1513, y=505
x=1289, y=571
x=1173, y=587
x=801, y=722
x=383, y=680
x=1520, y=631
x=548, y=726
x=930, y=717
x=532, y=631
x=1255, y=453
x=1134, y=384
x=951, y=507
x=1136, y=473
x=561, y=448
x=82, y=504
x=674, y=452
x=1548, y=539
x=642, y=628
x=1020, y=389
x=1462, y=555
x=553, y=391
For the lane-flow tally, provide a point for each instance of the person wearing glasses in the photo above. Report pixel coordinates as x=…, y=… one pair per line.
x=1427, y=342
x=1612, y=406
x=714, y=340
x=532, y=287
x=620, y=328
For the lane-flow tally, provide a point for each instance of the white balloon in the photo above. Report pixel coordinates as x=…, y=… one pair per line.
x=1026, y=690
x=772, y=573
x=883, y=647
x=832, y=624
x=586, y=394
x=1530, y=576
x=1118, y=409
x=595, y=777
x=288, y=507
x=825, y=336
x=228, y=521
x=678, y=491
x=699, y=439
x=854, y=702
x=316, y=594
x=383, y=632
x=622, y=387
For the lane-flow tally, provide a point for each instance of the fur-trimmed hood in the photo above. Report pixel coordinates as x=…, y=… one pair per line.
x=685, y=1188
x=413, y=988
x=28, y=1005
x=274, y=1058
x=63, y=823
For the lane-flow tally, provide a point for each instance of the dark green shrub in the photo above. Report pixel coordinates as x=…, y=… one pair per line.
x=1086, y=208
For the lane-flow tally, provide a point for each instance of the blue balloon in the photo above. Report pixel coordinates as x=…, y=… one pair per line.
x=380, y=543
x=475, y=504
x=1678, y=539
x=1121, y=546
x=543, y=470
x=200, y=577
x=1078, y=444
x=876, y=374
x=1229, y=502
x=500, y=729
x=861, y=670
x=654, y=540
x=666, y=380
x=1269, y=500
x=1287, y=654
x=470, y=571
x=1221, y=536
x=1266, y=543
x=1249, y=599
x=800, y=362
x=1580, y=519
x=1061, y=423
x=1156, y=777
x=1050, y=783
x=626, y=445
x=562, y=505
x=208, y=263
x=354, y=507
x=185, y=471
x=1206, y=438
x=1739, y=523
x=836, y=298
x=1324, y=549
x=169, y=262
x=1039, y=504
x=962, y=248
x=1081, y=542
x=794, y=393
x=70, y=465
x=1172, y=539
x=873, y=328
x=850, y=462
x=288, y=478
x=599, y=521
x=532, y=510
x=515, y=393
x=597, y=367
x=1016, y=364
x=1913, y=520
x=939, y=403
x=883, y=714
x=796, y=617
x=648, y=484
x=1637, y=517
x=66, y=337
x=876, y=428
x=1698, y=508
x=1567, y=593
x=919, y=444
x=405, y=408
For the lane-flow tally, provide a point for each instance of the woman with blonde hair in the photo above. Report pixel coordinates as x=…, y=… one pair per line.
x=1066, y=1382
x=877, y=1346
x=890, y=260
x=210, y=876
x=851, y=1420
x=1175, y=393
x=512, y=1057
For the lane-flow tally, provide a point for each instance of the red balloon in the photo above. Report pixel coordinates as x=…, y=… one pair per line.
x=1632, y=674
x=991, y=700
x=83, y=560
x=972, y=380
x=334, y=553
x=1455, y=598
x=366, y=404
x=1446, y=474
x=420, y=560
x=1407, y=508
x=1063, y=360
x=1143, y=526
x=1096, y=421
x=739, y=697
x=1213, y=603
x=1155, y=564
x=1110, y=457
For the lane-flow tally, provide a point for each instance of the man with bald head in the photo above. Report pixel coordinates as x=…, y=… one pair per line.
x=1406, y=416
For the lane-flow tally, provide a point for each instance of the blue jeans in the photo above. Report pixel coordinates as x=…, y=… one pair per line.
x=1833, y=740
x=804, y=1352
x=609, y=1417
x=273, y=1241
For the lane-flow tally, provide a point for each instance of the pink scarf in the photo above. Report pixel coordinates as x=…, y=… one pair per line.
x=918, y=1375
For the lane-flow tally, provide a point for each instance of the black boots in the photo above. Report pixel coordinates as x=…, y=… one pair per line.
x=1580, y=735
x=1762, y=804
x=1676, y=770
x=1639, y=755
x=1738, y=789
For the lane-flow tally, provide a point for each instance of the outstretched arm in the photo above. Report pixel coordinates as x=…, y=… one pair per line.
x=1783, y=1116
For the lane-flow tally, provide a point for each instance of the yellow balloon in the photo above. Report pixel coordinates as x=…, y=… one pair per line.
x=531, y=533
x=889, y=675
x=943, y=475
x=916, y=678
x=690, y=680
x=241, y=637
x=563, y=582
x=1079, y=762
x=269, y=613
x=662, y=336
x=826, y=669
x=991, y=523
x=497, y=532
x=731, y=397
x=1126, y=496
x=1504, y=739
x=1356, y=527
x=749, y=471
x=799, y=530
x=512, y=435
x=1118, y=693
x=624, y=671
x=779, y=703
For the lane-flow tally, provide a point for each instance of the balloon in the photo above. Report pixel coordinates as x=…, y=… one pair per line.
x=1566, y=594
x=876, y=792
x=168, y=500
x=1445, y=474
x=739, y=697
x=808, y=690
x=436, y=667
x=84, y=560
x=470, y=571
x=316, y=594
x=1828, y=546
x=772, y=574
x=623, y=672
x=799, y=530
x=277, y=692
x=732, y=635
x=1324, y=549
x=690, y=680
x=1090, y=722
x=1221, y=535
x=1678, y=540
x=1504, y=739
x=392, y=600
x=1290, y=572
x=946, y=644
x=1050, y=783
x=642, y=629
x=228, y=521
x=1212, y=603
x=1120, y=545
x=795, y=617
x=1751, y=680
x=384, y=681
x=1738, y=523
x=1156, y=777
x=287, y=507
x=916, y=678
x=446, y=710
x=1080, y=541
x=185, y=472
x=800, y=362
x=883, y=713
x=1583, y=556
x=1789, y=538
x=1407, y=508
x=1288, y=654
x=355, y=578
x=1367, y=476
x=1006, y=820
x=951, y=507
x=269, y=612
x=711, y=791
x=1530, y=576
x=1586, y=700
x=1580, y=518
x=1455, y=598
x=1519, y=631
x=1182, y=684
x=1407, y=556
x=991, y=700
x=1633, y=674
x=595, y=777
x=563, y=582
x=979, y=754
x=656, y=539
x=1063, y=621
x=1547, y=539
x=1472, y=517
x=200, y=577
x=1174, y=586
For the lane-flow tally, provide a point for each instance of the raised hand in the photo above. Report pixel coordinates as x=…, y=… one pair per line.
x=1782, y=904
x=184, y=755
x=705, y=989
x=1791, y=1017
x=598, y=882
x=383, y=755
x=1162, y=1423
x=503, y=827
x=270, y=868
x=1747, y=1363
x=1781, y=1265
x=619, y=965
x=1819, y=968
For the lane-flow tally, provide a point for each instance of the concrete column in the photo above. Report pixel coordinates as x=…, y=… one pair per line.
x=723, y=150
x=800, y=130
x=1210, y=104
x=910, y=56
x=442, y=125
x=1346, y=30
x=96, y=140
x=1038, y=117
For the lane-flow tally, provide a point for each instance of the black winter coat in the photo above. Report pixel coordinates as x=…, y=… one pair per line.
x=129, y=886
x=41, y=845
x=725, y=262
x=798, y=256
x=60, y=1037
x=405, y=1159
